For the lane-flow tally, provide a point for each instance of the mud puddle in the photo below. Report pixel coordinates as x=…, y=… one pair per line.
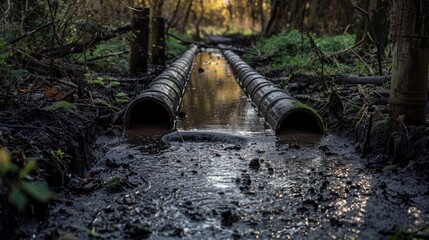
x=230, y=178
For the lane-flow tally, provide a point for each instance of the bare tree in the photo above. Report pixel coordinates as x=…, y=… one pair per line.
x=261, y=14
x=173, y=22
x=186, y=18
x=200, y=19
x=278, y=17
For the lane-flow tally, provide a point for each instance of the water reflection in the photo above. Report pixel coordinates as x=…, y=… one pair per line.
x=214, y=101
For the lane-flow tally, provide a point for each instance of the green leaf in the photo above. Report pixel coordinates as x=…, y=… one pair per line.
x=5, y=162
x=99, y=80
x=114, y=183
x=121, y=94
x=29, y=167
x=114, y=84
x=61, y=104
x=18, y=199
x=37, y=191
x=59, y=153
x=91, y=233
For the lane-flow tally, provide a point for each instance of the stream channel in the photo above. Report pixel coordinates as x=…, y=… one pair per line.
x=224, y=175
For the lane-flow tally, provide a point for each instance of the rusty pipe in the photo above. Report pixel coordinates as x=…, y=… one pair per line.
x=281, y=111
x=157, y=105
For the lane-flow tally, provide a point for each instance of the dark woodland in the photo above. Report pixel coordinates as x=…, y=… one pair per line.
x=214, y=119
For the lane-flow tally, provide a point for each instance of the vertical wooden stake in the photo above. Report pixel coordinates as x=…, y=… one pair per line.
x=408, y=90
x=140, y=41
x=157, y=41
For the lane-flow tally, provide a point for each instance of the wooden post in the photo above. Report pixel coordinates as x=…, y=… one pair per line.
x=140, y=41
x=157, y=41
x=408, y=95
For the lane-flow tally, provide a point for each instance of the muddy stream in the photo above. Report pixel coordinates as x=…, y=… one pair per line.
x=224, y=175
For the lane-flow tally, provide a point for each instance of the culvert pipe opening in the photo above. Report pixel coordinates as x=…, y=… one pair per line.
x=149, y=114
x=299, y=120
x=155, y=108
x=283, y=113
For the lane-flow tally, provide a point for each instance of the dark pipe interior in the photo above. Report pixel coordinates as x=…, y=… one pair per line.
x=300, y=120
x=150, y=114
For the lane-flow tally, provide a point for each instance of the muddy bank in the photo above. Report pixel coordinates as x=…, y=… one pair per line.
x=47, y=123
x=59, y=141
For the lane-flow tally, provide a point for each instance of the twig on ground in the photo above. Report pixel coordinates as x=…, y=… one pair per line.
x=107, y=55
x=221, y=47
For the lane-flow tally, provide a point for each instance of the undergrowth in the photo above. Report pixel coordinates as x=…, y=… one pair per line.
x=120, y=46
x=175, y=47
x=5, y=67
x=295, y=52
x=15, y=170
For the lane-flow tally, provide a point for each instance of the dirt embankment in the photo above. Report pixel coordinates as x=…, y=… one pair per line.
x=48, y=123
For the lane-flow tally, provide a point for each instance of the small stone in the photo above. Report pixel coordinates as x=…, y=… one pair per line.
x=229, y=217
x=234, y=147
x=255, y=164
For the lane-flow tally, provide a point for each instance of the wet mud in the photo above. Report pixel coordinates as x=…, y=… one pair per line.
x=259, y=188
x=222, y=180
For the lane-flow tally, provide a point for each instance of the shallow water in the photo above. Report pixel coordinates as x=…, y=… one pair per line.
x=214, y=101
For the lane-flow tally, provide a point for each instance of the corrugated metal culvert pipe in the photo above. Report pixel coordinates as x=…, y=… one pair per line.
x=157, y=106
x=281, y=111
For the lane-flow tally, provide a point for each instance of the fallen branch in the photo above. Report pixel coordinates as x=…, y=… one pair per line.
x=376, y=80
x=37, y=66
x=336, y=54
x=107, y=55
x=29, y=33
x=220, y=47
x=81, y=47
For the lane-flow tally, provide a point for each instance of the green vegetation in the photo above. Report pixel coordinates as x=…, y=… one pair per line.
x=4, y=54
x=114, y=183
x=297, y=52
x=14, y=171
x=113, y=55
x=175, y=47
x=61, y=104
x=401, y=233
x=5, y=67
x=117, y=51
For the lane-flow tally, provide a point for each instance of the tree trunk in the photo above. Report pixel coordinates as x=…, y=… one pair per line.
x=261, y=14
x=312, y=15
x=158, y=8
x=361, y=20
x=298, y=14
x=140, y=42
x=157, y=41
x=186, y=18
x=410, y=62
x=200, y=19
x=377, y=24
x=278, y=17
x=172, y=22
